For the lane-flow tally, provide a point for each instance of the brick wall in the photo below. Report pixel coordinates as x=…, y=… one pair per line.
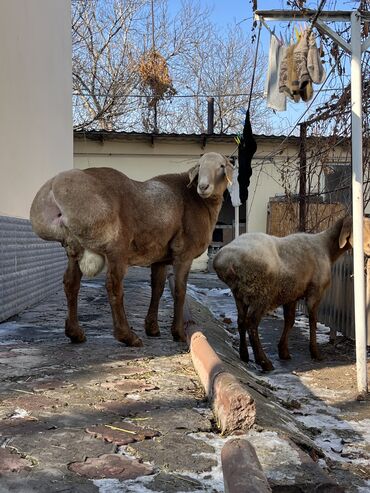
x=30, y=268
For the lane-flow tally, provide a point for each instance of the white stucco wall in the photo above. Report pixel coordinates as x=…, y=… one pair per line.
x=36, y=138
x=264, y=184
x=141, y=160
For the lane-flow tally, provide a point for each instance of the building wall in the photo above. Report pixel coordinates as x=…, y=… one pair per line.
x=263, y=185
x=36, y=137
x=140, y=160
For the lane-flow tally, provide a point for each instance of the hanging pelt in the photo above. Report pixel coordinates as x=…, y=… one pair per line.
x=246, y=151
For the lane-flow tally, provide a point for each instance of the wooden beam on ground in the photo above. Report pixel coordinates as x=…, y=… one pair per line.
x=241, y=468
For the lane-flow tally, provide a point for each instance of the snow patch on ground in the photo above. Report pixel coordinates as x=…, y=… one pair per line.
x=128, y=486
x=212, y=481
x=7, y=330
x=219, y=301
x=364, y=489
x=19, y=413
x=92, y=284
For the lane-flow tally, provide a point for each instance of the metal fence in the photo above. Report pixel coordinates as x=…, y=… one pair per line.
x=337, y=306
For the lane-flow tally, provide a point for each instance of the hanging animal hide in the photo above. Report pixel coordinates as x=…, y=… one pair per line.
x=246, y=151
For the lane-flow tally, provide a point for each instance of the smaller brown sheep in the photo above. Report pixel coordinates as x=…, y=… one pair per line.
x=265, y=272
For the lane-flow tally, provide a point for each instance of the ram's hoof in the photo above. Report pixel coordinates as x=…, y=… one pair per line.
x=74, y=332
x=178, y=337
x=317, y=357
x=284, y=355
x=244, y=356
x=137, y=343
x=78, y=339
x=152, y=329
x=267, y=365
x=153, y=334
x=131, y=339
x=315, y=353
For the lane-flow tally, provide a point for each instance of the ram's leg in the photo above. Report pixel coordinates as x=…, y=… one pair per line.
x=312, y=307
x=181, y=271
x=242, y=328
x=158, y=281
x=114, y=285
x=71, y=281
x=253, y=319
x=289, y=319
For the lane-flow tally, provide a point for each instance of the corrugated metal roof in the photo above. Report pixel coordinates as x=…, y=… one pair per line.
x=102, y=135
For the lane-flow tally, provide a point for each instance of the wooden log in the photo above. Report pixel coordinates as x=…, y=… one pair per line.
x=232, y=404
x=241, y=468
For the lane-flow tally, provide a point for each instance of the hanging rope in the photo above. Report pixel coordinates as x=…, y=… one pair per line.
x=317, y=15
x=253, y=77
x=255, y=65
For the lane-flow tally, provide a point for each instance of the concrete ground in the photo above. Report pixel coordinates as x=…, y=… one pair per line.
x=101, y=417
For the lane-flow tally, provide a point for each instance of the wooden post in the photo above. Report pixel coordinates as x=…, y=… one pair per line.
x=368, y=302
x=211, y=115
x=155, y=117
x=302, y=176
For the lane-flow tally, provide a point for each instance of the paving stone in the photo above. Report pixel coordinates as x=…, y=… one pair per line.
x=173, y=484
x=175, y=452
x=33, y=403
x=126, y=387
x=47, y=384
x=59, y=447
x=123, y=369
x=170, y=419
x=21, y=426
x=46, y=482
x=128, y=407
x=12, y=462
x=76, y=418
x=121, y=433
x=110, y=466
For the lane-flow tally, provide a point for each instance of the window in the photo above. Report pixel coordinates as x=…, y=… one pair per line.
x=338, y=183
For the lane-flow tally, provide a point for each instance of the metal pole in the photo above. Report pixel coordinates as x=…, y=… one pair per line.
x=236, y=232
x=357, y=204
x=246, y=216
x=236, y=209
x=302, y=177
x=211, y=115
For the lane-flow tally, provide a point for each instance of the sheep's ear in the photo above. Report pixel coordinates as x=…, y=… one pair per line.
x=346, y=232
x=193, y=173
x=228, y=170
